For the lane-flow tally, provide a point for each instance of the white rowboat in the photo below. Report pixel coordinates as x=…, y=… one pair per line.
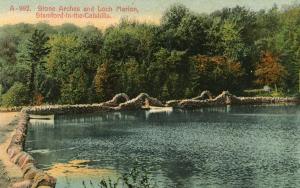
x=45, y=117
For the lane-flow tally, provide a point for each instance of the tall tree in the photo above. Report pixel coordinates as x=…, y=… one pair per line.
x=269, y=71
x=169, y=74
x=67, y=60
x=106, y=81
x=217, y=73
x=233, y=34
x=173, y=16
x=37, y=50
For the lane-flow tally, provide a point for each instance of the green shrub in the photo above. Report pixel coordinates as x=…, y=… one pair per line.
x=262, y=93
x=17, y=95
x=278, y=93
x=255, y=92
x=135, y=178
x=296, y=95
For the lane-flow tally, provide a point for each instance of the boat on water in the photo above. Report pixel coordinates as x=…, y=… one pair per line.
x=42, y=117
x=153, y=109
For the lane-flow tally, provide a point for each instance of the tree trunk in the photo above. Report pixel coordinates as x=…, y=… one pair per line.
x=31, y=83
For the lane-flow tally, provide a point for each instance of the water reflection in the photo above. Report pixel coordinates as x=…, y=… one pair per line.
x=210, y=147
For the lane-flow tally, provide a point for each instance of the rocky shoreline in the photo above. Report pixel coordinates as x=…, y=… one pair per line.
x=4, y=179
x=34, y=177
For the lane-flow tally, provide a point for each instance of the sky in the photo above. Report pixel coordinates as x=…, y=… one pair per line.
x=148, y=10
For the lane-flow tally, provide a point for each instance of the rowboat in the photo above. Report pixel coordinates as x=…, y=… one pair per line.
x=43, y=117
x=154, y=109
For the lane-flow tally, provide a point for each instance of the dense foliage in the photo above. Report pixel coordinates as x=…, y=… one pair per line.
x=17, y=95
x=230, y=49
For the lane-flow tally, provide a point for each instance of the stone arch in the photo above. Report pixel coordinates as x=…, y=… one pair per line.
x=116, y=100
x=141, y=100
x=204, y=95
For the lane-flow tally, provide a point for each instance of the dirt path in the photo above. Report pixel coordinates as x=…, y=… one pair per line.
x=5, y=119
x=8, y=171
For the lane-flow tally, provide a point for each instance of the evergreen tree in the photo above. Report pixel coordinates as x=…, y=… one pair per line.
x=37, y=50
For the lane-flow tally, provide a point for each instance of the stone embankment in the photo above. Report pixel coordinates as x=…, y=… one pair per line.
x=34, y=177
x=142, y=101
x=119, y=102
x=226, y=98
x=11, y=109
x=116, y=100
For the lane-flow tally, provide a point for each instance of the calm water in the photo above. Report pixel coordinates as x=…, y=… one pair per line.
x=213, y=147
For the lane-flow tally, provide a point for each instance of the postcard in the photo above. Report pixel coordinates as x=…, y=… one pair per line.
x=149, y=93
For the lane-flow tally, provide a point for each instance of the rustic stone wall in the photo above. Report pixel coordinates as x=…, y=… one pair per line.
x=139, y=102
x=67, y=109
x=226, y=98
x=33, y=177
x=204, y=95
x=116, y=100
x=11, y=109
x=112, y=105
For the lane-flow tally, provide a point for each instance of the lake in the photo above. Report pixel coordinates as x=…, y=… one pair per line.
x=237, y=146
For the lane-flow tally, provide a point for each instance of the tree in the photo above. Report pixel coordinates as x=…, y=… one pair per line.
x=37, y=50
x=232, y=32
x=233, y=46
x=216, y=73
x=106, y=81
x=286, y=43
x=17, y=95
x=169, y=72
x=191, y=34
x=173, y=16
x=133, y=78
x=49, y=89
x=91, y=39
x=170, y=21
x=182, y=30
x=120, y=44
x=10, y=70
x=130, y=40
x=8, y=49
x=69, y=58
x=75, y=91
x=9, y=74
x=269, y=71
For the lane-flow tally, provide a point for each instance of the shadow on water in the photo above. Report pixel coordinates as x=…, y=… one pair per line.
x=240, y=146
